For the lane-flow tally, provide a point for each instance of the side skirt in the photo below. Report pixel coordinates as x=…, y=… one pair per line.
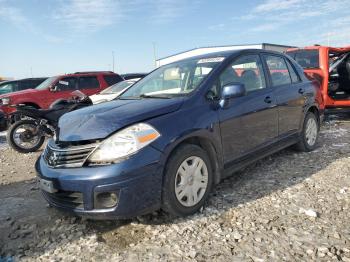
x=264, y=151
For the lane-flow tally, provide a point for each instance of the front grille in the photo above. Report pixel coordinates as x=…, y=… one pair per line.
x=66, y=199
x=70, y=156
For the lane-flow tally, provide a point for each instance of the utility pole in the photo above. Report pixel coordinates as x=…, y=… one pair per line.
x=31, y=72
x=113, y=61
x=154, y=54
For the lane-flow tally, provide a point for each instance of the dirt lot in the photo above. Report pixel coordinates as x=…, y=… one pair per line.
x=290, y=206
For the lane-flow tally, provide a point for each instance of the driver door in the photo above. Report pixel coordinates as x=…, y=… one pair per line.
x=63, y=89
x=250, y=121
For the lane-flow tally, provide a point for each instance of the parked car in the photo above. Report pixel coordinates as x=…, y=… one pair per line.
x=167, y=140
x=331, y=67
x=133, y=75
x=113, y=91
x=18, y=85
x=58, y=87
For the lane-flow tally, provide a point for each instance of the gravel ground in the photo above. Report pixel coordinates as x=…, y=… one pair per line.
x=287, y=207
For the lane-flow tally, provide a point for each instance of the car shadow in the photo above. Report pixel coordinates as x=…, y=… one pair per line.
x=26, y=222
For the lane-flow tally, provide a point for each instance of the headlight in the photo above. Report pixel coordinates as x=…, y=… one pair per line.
x=5, y=101
x=124, y=143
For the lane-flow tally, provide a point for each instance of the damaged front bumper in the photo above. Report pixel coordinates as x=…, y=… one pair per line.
x=135, y=185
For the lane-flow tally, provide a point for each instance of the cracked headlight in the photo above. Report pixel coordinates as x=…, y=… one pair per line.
x=124, y=143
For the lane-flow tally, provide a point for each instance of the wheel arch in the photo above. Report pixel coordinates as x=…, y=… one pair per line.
x=314, y=109
x=31, y=104
x=208, y=146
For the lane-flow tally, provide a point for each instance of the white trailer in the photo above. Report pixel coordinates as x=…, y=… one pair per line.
x=213, y=49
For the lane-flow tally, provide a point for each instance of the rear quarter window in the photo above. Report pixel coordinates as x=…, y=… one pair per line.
x=112, y=79
x=88, y=82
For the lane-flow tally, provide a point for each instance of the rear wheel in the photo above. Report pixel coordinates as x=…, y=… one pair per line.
x=309, y=135
x=24, y=136
x=187, y=181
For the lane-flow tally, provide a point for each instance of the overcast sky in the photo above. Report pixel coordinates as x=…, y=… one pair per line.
x=49, y=37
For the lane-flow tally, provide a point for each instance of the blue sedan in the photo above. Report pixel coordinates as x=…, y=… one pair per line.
x=166, y=141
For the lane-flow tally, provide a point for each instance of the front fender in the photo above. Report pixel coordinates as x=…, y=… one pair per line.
x=177, y=127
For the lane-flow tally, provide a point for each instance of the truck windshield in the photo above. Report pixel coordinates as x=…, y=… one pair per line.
x=46, y=83
x=177, y=79
x=305, y=58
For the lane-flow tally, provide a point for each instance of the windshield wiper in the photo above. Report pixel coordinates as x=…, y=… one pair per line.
x=154, y=96
x=128, y=98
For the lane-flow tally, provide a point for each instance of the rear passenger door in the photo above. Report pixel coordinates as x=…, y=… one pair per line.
x=89, y=85
x=289, y=93
x=251, y=121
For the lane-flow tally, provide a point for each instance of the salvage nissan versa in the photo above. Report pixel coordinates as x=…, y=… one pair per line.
x=166, y=141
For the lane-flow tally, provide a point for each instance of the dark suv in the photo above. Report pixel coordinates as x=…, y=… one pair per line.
x=18, y=85
x=177, y=132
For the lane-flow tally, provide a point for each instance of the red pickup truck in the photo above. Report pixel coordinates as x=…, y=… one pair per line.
x=58, y=87
x=331, y=67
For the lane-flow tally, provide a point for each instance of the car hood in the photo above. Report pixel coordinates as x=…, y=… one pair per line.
x=19, y=93
x=99, y=121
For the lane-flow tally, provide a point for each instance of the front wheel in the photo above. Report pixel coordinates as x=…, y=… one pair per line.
x=187, y=181
x=25, y=137
x=310, y=132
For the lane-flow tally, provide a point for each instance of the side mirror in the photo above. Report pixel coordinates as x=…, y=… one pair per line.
x=230, y=91
x=53, y=88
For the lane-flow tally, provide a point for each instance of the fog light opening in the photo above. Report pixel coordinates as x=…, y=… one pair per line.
x=106, y=200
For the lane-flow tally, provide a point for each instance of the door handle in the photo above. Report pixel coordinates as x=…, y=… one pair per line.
x=268, y=100
x=301, y=91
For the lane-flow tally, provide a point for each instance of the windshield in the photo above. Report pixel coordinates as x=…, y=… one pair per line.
x=306, y=58
x=176, y=79
x=46, y=83
x=6, y=87
x=117, y=88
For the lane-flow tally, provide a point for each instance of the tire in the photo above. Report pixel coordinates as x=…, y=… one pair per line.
x=306, y=144
x=12, y=142
x=172, y=203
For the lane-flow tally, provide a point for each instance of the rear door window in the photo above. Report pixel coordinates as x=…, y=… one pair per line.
x=278, y=70
x=67, y=83
x=293, y=74
x=88, y=82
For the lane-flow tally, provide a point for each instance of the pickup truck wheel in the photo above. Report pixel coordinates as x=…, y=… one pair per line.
x=187, y=181
x=309, y=135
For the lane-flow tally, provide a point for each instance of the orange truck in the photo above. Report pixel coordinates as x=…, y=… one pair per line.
x=331, y=67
